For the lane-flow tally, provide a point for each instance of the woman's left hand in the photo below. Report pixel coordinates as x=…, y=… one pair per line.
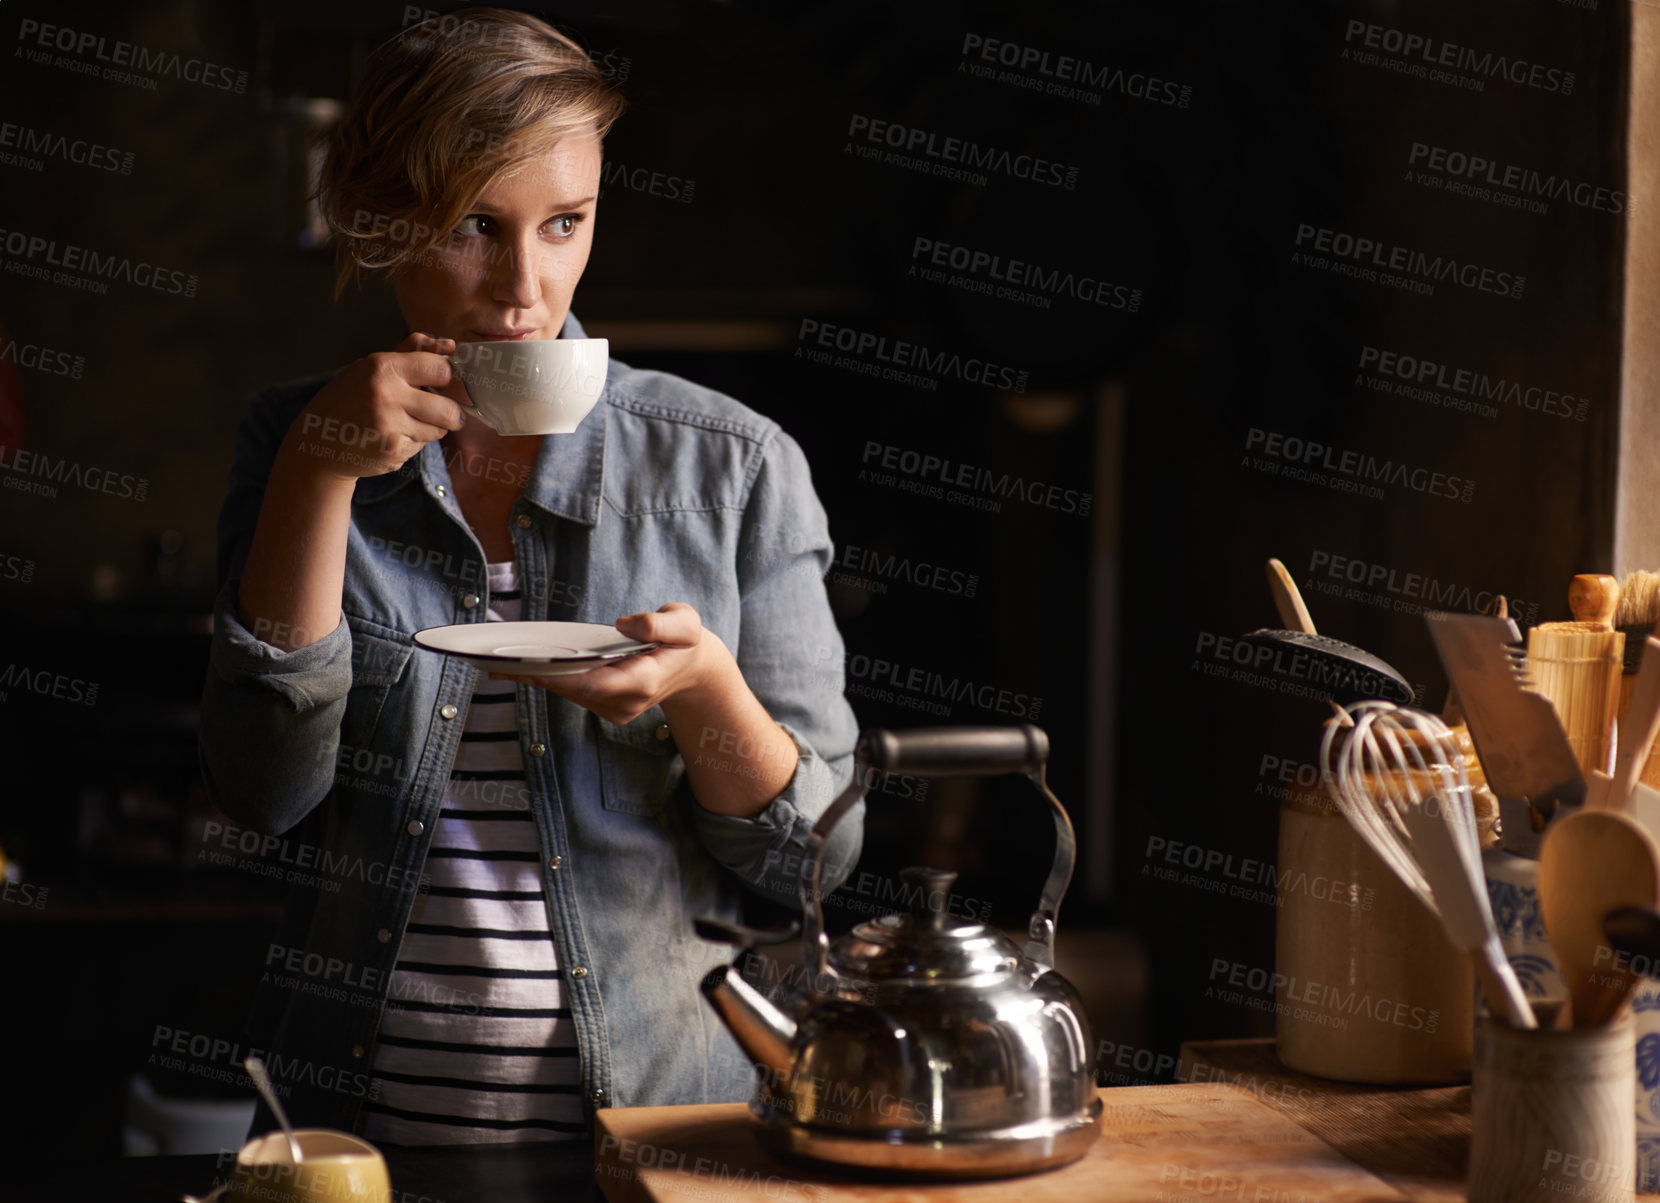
x=737, y=758
x=688, y=658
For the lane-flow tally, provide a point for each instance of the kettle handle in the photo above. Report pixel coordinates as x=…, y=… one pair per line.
x=942, y=752
x=955, y=751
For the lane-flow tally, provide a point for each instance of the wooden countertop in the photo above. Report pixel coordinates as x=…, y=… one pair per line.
x=1158, y=1144
x=1237, y=1122
x=1417, y=1139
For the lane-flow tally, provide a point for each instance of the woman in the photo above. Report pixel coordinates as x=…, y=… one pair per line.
x=494, y=935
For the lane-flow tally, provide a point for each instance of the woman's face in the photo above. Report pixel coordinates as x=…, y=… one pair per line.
x=510, y=267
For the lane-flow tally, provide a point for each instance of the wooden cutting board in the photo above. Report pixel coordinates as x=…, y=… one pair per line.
x=1207, y=1143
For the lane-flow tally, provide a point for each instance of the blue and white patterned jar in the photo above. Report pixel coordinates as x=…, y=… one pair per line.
x=1646, y=1007
x=1513, y=890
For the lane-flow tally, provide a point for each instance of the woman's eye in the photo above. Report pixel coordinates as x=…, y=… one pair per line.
x=477, y=225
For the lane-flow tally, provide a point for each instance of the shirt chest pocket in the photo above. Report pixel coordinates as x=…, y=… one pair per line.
x=639, y=765
x=380, y=655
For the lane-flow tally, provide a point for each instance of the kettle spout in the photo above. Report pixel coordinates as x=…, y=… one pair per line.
x=763, y=1031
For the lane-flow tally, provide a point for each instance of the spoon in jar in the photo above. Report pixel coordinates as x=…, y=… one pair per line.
x=262, y=1081
x=1592, y=863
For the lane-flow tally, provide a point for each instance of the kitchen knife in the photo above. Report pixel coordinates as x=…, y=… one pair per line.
x=1519, y=739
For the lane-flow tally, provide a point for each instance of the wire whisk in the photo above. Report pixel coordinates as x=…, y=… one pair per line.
x=1397, y=776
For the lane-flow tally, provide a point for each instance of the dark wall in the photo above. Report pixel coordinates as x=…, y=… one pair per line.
x=1264, y=345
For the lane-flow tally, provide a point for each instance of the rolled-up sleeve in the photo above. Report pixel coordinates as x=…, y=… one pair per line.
x=270, y=718
x=791, y=656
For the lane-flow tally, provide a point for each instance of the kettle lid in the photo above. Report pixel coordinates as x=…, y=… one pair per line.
x=928, y=946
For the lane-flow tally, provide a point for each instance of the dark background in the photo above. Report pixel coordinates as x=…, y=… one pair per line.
x=1105, y=617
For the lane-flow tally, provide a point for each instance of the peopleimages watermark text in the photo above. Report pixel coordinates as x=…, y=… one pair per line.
x=1432, y=54
x=1009, y=279
x=1422, y=379
x=938, y=474
x=1377, y=262
x=28, y=142
x=951, y=156
x=1360, y=472
x=1407, y=592
x=145, y=62
x=1510, y=183
x=862, y=346
x=1056, y=74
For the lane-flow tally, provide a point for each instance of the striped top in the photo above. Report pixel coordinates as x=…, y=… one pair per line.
x=476, y=1043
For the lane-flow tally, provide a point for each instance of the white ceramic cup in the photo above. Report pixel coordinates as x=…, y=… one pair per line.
x=535, y=386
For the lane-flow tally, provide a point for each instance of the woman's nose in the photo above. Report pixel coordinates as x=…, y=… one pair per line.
x=517, y=276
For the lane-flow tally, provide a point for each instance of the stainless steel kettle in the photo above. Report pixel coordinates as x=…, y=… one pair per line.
x=922, y=1043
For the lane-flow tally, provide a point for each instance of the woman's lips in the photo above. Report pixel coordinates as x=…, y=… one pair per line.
x=502, y=336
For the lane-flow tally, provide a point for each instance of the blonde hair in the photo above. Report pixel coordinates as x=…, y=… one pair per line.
x=446, y=107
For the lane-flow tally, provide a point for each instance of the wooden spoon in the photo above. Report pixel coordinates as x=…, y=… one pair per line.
x=1288, y=601
x=1591, y=863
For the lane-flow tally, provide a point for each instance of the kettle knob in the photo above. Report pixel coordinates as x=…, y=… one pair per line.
x=928, y=882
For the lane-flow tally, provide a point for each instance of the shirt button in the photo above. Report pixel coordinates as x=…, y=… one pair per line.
x=384, y=936
x=470, y=601
x=448, y=710
x=357, y=1051
x=415, y=827
x=556, y=862
x=442, y=491
x=525, y=521
x=663, y=731
x=538, y=749
x=597, y=1097
x=579, y=971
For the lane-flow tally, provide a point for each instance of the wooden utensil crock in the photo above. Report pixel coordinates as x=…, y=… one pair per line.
x=1551, y=1114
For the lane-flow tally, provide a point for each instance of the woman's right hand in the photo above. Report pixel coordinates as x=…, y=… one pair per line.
x=377, y=413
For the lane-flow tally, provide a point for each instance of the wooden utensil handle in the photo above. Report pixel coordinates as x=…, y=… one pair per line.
x=1598, y=791
x=1594, y=597
x=1288, y=601
x=1500, y=985
x=1641, y=725
x=1608, y=1001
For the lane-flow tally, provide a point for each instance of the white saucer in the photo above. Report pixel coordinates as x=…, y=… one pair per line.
x=535, y=649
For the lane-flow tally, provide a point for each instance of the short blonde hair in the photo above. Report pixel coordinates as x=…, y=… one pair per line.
x=446, y=107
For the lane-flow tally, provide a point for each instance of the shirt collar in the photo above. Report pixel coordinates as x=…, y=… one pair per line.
x=567, y=479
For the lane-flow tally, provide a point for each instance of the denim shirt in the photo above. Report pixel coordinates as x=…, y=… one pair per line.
x=342, y=749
